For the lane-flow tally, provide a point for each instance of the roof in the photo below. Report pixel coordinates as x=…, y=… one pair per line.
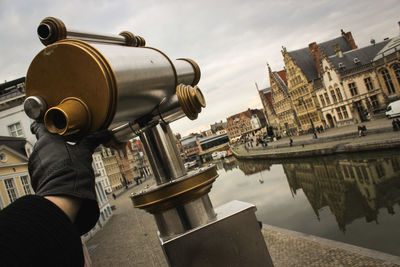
x=305, y=61
x=267, y=94
x=15, y=143
x=11, y=83
x=365, y=55
x=212, y=138
x=189, y=139
x=282, y=75
x=281, y=82
x=391, y=47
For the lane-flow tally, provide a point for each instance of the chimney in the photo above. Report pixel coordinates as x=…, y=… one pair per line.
x=349, y=39
x=316, y=54
x=337, y=50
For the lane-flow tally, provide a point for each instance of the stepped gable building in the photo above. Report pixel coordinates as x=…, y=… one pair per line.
x=303, y=72
x=269, y=112
x=387, y=67
x=351, y=92
x=286, y=118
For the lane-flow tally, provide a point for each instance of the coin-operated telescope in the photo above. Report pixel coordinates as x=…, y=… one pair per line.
x=84, y=82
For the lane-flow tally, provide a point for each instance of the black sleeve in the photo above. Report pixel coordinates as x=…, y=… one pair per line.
x=35, y=232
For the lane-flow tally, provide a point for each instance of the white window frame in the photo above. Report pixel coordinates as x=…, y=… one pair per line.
x=14, y=188
x=11, y=131
x=26, y=186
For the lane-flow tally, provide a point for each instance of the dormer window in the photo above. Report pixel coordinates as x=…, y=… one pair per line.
x=356, y=60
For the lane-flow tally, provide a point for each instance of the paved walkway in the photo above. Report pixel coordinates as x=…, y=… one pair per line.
x=379, y=136
x=377, y=125
x=130, y=239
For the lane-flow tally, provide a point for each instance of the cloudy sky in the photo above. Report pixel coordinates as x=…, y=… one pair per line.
x=231, y=40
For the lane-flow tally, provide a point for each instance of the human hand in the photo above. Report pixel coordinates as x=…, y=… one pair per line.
x=58, y=168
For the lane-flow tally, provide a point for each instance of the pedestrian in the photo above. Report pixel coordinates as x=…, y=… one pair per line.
x=291, y=142
x=47, y=226
x=359, y=129
x=395, y=125
x=114, y=196
x=364, y=130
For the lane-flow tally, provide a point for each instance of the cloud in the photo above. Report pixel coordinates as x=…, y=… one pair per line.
x=231, y=40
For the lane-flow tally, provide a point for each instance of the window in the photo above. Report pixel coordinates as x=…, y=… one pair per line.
x=353, y=89
x=374, y=101
x=11, y=189
x=329, y=76
x=333, y=96
x=344, y=111
x=339, y=112
x=328, y=101
x=368, y=84
x=388, y=81
x=321, y=97
x=346, y=172
x=380, y=171
x=396, y=68
x=15, y=130
x=26, y=185
x=339, y=94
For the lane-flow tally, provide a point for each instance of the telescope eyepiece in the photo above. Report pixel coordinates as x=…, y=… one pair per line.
x=44, y=31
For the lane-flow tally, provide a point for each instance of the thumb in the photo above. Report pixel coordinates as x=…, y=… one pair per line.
x=38, y=129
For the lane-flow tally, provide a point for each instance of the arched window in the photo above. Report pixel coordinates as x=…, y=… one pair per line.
x=388, y=81
x=396, y=68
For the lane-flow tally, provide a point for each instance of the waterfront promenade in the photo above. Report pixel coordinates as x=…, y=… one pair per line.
x=130, y=239
x=379, y=135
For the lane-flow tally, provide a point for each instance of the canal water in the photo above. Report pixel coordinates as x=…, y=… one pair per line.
x=352, y=198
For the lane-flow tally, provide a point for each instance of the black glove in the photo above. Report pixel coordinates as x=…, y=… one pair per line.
x=58, y=168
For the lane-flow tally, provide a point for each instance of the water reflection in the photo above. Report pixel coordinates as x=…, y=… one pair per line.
x=351, y=186
x=356, y=194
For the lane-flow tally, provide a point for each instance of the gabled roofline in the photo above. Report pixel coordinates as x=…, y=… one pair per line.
x=15, y=153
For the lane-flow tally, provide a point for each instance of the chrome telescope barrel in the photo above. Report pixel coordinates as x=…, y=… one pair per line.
x=52, y=29
x=77, y=87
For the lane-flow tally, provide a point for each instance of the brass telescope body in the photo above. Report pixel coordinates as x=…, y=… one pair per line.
x=91, y=86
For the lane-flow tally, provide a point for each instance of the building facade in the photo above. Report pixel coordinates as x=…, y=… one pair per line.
x=351, y=91
x=269, y=111
x=287, y=121
x=100, y=170
x=218, y=128
x=14, y=176
x=112, y=168
x=14, y=121
x=239, y=124
x=304, y=70
x=387, y=68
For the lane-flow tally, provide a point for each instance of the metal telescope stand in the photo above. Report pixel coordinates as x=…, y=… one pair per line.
x=191, y=231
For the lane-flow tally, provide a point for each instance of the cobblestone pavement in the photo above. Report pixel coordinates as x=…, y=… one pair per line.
x=290, y=250
x=130, y=239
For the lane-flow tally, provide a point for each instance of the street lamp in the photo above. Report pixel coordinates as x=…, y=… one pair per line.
x=301, y=101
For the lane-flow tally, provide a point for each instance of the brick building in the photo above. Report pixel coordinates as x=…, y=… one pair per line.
x=241, y=123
